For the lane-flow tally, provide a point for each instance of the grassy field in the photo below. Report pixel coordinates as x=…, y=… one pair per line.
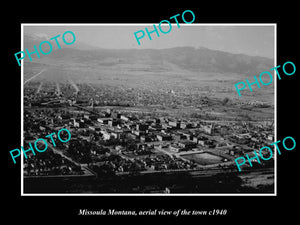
x=203, y=158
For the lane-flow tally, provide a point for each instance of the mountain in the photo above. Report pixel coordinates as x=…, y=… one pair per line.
x=36, y=38
x=184, y=58
x=187, y=58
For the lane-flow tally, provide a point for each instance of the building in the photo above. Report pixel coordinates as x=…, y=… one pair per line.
x=175, y=148
x=174, y=124
x=242, y=136
x=177, y=137
x=114, y=135
x=105, y=135
x=115, y=115
x=156, y=126
x=145, y=139
x=186, y=135
x=208, y=129
x=42, y=128
x=200, y=140
x=187, y=145
x=163, y=137
x=113, y=122
x=132, y=136
x=103, y=120
x=93, y=128
x=142, y=127
x=124, y=118
x=184, y=125
x=76, y=123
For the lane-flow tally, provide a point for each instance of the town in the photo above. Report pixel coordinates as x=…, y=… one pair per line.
x=118, y=138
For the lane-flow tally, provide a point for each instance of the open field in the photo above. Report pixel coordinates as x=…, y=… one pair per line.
x=203, y=158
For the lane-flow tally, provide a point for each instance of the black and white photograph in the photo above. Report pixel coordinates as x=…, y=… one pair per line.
x=160, y=118
x=149, y=114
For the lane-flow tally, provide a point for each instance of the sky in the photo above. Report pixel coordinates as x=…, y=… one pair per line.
x=254, y=39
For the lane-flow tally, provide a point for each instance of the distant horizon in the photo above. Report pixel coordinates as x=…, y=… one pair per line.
x=196, y=48
x=252, y=40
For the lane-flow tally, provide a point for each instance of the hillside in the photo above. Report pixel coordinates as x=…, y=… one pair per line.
x=186, y=58
x=182, y=68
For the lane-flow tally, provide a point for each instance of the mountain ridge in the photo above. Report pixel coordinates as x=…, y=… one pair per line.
x=185, y=57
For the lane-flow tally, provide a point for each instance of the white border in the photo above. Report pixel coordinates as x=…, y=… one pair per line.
x=22, y=110
x=149, y=24
x=275, y=108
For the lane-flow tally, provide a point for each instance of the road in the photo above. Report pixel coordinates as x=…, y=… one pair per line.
x=34, y=76
x=39, y=88
x=73, y=84
x=58, y=88
x=87, y=172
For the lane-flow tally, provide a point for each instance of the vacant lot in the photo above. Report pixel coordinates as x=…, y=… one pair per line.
x=203, y=158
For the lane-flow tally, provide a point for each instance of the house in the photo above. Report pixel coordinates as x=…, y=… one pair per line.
x=145, y=139
x=163, y=137
x=184, y=125
x=113, y=122
x=200, y=139
x=177, y=137
x=175, y=148
x=105, y=135
x=103, y=120
x=124, y=118
x=174, y=124
x=208, y=129
x=92, y=128
x=186, y=135
x=75, y=123
x=201, y=142
x=42, y=128
x=270, y=137
x=156, y=126
x=114, y=134
x=132, y=136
